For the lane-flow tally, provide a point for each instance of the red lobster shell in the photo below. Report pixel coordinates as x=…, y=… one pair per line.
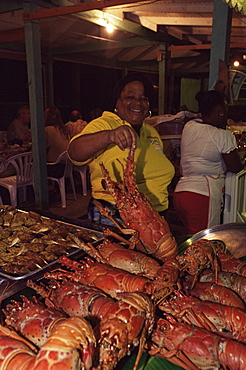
x=68, y=347
x=195, y=348
x=120, y=324
x=216, y=317
x=138, y=214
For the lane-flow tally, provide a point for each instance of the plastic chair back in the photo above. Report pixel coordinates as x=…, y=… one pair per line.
x=84, y=175
x=68, y=173
x=23, y=165
x=235, y=197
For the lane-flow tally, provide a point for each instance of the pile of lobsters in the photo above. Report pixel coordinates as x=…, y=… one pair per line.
x=131, y=293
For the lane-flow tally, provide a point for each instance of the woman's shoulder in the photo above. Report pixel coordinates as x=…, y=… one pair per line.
x=107, y=121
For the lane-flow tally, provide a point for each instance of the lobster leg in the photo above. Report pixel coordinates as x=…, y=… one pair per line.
x=177, y=358
x=126, y=231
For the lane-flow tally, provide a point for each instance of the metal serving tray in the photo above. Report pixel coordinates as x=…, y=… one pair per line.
x=232, y=235
x=12, y=283
x=10, y=286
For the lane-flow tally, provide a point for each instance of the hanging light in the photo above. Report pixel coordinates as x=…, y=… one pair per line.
x=109, y=27
x=236, y=63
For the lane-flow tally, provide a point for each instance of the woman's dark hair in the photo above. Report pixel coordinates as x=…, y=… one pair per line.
x=52, y=117
x=207, y=100
x=134, y=76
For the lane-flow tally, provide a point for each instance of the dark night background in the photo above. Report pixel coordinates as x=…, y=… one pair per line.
x=96, y=88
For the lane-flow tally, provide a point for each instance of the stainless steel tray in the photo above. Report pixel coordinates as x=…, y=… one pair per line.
x=233, y=235
x=10, y=283
x=10, y=286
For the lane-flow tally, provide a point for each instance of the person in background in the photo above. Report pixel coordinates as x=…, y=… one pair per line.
x=19, y=129
x=57, y=140
x=95, y=113
x=208, y=150
x=107, y=139
x=75, y=124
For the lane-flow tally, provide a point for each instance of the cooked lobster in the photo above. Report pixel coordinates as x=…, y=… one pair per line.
x=109, y=279
x=138, y=214
x=34, y=320
x=70, y=346
x=165, y=276
x=216, y=317
x=227, y=279
x=197, y=257
x=119, y=324
x=195, y=348
x=213, y=292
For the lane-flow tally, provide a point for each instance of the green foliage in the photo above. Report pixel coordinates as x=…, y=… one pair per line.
x=150, y=363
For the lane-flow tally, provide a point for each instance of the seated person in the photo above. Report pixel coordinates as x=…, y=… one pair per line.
x=75, y=124
x=19, y=129
x=57, y=140
x=95, y=113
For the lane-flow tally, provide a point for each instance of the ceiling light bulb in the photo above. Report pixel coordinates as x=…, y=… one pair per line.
x=236, y=63
x=109, y=27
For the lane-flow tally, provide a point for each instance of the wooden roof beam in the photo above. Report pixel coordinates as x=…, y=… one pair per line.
x=17, y=34
x=203, y=46
x=77, y=8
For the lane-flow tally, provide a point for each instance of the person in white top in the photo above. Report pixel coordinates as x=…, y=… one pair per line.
x=208, y=150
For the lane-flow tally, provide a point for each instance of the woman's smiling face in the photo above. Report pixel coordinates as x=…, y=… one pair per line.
x=133, y=105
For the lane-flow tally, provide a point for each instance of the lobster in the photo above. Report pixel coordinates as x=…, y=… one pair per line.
x=119, y=325
x=32, y=319
x=199, y=256
x=230, y=321
x=195, y=348
x=214, y=293
x=69, y=346
x=111, y=279
x=227, y=279
x=231, y=264
x=105, y=277
x=115, y=254
x=138, y=214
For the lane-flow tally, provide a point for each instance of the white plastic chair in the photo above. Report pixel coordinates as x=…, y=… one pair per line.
x=68, y=173
x=235, y=197
x=83, y=171
x=24, y=176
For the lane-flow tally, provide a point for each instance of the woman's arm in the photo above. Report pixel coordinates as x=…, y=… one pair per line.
x=233, y=161
x=85, y=146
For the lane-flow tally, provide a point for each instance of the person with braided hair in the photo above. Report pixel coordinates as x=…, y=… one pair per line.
x=208, y=150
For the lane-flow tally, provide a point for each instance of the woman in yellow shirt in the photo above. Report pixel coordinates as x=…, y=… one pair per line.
x=108, y=138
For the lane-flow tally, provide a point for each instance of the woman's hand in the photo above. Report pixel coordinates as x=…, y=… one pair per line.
x=123, y=136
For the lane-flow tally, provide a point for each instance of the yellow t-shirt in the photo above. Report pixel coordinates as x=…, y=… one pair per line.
x=153, y=171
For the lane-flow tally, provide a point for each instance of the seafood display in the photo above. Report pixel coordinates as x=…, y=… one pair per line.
x=122, y=295
x=29, y=241
x=195, y=325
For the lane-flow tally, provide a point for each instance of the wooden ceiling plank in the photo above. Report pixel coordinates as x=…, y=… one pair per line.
x=71, y=9
x=96, y=16
x=127, y=43
x=204, y=46
x=170, y=7
x=17, y=34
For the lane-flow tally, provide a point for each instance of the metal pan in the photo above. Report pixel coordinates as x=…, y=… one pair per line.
x=232, y=235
